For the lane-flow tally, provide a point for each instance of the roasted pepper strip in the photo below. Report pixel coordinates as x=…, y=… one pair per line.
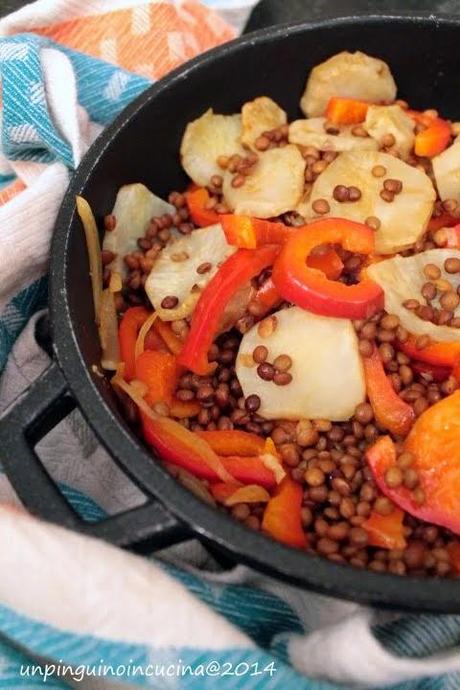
x=435, y=138
x=443, y=354
x=434, y=442
x=197, y=198
x=390, y=410
x=158, y=370
x=248, y=232
x=186, y=449
x=234, y=272
x=346, y=111
x=282, y=516
x=127, y=336
x=386, y=531
x=233, y=442
x=309, y=288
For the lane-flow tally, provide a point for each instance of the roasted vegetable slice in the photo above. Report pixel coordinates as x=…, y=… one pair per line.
x=134, y=208
x=176, y=274
x=207, y=138
x=391, y=119
x=259, y=116
x=311, y=132
x=274, y=186
x=446, y=168
x=352, y=75
x=402, y=278
x=403, y=219
x=315, y=345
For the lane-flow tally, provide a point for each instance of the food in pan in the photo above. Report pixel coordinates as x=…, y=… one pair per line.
x=285, y=332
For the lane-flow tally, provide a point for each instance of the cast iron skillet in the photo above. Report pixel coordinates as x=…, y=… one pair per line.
x=142, y=145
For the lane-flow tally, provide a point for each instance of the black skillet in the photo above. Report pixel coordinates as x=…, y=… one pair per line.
x=142, y=145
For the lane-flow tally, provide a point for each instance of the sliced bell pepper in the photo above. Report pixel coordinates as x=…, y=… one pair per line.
x=434, y=441
x=282, y=516
x=267, y=296
x=328, y=262
x=389, y=409
x=128, y=330
x=243, y=265
x=248, y=232
x=187, y=450
x=445, y=220
x=153, y=341
x=197, y=198
x=233, y=442
x=309, y=288
x=346, y=111
x=432, y=140
x=165, y=331
x=442, y=354
x=386, y=531
x=436, y=372
x=158, y=370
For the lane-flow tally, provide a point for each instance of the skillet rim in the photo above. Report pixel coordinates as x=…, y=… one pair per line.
x=309, y=571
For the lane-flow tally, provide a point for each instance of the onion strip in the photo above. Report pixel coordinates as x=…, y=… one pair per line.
x=146, y=326
x=252, y=493
x=115, y=283
x=108, y=331
x=94, y=251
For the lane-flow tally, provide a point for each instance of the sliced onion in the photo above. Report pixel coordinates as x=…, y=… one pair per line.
x=402, y=221
x=94, y=251
x=145, y=328
x=274, y=186
x=259, y=116
x=135, y=396
x=116, y=283
x=311, y=132
x=196, y=486
x=273, y=463
x=108, y=331
x=207, y=138
x=402, y=278
x=251, y=493
x=327, y=376
x=350, y=75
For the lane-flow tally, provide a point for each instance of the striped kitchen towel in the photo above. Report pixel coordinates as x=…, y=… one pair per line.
x=75, y=612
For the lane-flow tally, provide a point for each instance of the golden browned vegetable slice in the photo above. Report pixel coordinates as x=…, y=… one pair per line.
x=311, y=132
x=259, y=116
x=391, y=119
x=350, y=75
x=446, y=168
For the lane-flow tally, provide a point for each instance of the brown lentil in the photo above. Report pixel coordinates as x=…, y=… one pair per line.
x=320, y=206
x=452, y=265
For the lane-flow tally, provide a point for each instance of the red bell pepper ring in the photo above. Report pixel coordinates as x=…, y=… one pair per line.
x=243, y=265
x=434, y=442
x=197, y=198
x=282, y=516
x=249, y=233
x=435, y=138
x=346, y=111
x=310, y=288
x=183, y=448
x=386, y=531
x=128, y=331
x=441, y=354
x=390, y=410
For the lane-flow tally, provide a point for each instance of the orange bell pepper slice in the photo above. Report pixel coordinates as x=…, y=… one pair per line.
x=435, y=138
x=197, y=198
x=282, y=516
x=243, y=265
x=434, y=441
x=389, y=409
x=158, y=370
x=328, y=262
x=346, y=111
x=128, y=330
x=248, y=232
x=165, y=331
x=311, y=289
x=441, y=354
x=233, y=442
x=386, y=531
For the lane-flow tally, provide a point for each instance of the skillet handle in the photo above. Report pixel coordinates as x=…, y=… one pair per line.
x=30, y=417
